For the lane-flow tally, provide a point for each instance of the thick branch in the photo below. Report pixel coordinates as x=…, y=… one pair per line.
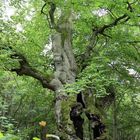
x=42, y=12
x=94, y=38
x=26, y=69
x=83, y=61
x=50, y=15
x=101, y=30
x=124, y=17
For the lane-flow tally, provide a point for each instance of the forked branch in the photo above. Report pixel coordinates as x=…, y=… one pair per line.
x=100, y=31
x=50, y=15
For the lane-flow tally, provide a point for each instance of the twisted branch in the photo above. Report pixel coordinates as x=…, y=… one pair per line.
x=50, y=15
x=26, y=69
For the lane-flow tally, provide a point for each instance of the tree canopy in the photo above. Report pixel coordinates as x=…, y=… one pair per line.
x=74, y=64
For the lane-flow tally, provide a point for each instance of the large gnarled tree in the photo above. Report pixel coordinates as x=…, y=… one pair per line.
x=79, y=115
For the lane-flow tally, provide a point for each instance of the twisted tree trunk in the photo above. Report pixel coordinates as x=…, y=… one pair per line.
x=65, y=73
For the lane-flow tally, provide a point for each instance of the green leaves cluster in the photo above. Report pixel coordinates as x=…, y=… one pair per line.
x=24, y=102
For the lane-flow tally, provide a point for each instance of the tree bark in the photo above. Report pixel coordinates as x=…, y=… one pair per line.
x=65, y=73
x=114, y=120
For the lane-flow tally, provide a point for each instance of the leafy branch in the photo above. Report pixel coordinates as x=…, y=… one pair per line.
x=96, y=32
x=50, y=16
x=101, y=30
x=26, y=69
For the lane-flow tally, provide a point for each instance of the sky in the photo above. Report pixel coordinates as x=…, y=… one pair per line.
x=8, y=11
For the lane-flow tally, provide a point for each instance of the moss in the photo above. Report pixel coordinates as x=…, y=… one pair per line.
x=66, y=107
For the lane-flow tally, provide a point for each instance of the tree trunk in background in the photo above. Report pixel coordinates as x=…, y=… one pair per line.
x=114, y=120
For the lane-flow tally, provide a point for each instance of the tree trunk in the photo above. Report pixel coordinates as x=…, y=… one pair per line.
x=65, y=73
x=75, y=121
x=114, y=120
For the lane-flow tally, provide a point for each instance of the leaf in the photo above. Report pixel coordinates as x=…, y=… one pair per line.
x=35, y=138
x=1, y=135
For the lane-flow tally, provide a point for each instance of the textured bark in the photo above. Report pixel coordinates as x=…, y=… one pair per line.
x=65, y=73
x=94, y=118
x=114, y=121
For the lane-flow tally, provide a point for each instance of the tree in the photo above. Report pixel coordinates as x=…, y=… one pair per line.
x=93, y=50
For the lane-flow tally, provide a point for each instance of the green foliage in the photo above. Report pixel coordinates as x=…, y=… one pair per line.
x=1, y=135
x=35, y=138
x=23, y=101
x=8, y=137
